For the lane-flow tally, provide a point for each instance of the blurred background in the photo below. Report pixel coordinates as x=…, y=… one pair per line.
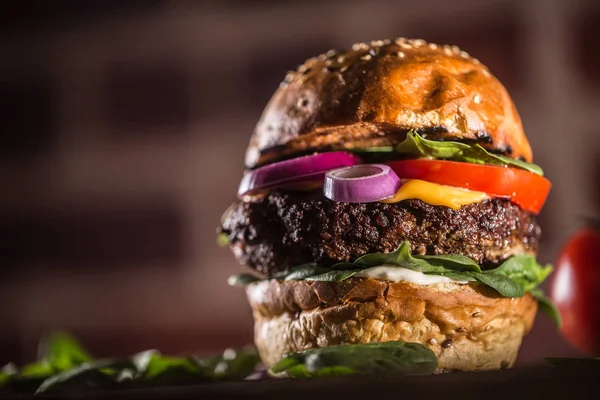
x=124, y=130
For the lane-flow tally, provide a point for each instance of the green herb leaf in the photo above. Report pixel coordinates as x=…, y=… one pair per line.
x=39, y=369
x=236, y=364
x=525, y=270
x=62, y=351
x=242, y=280
x=426, y=264
x=222, y=240
x=66, y=366
x=547, y=306
x=416, y=145
x=503, y=285
x=90, y=375
x=455, y=262
x=387, y=358
x=6, y=373
x=166, y=370
x=305, y=271
x=332, y=276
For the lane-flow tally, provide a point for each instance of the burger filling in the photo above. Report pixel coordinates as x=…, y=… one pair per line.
x=283, y=230
x=432, y=212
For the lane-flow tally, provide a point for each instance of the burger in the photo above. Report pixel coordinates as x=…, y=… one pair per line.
x=390, y=197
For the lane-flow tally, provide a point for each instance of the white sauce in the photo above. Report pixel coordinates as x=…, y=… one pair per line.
x=395, y=274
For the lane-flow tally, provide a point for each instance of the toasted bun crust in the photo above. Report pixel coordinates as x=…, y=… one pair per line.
x=469, y=327
x=371, y=95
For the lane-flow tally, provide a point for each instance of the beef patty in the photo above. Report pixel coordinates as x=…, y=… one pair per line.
x=285, y=229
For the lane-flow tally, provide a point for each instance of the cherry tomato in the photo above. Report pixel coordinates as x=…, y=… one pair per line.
x=575, y=289
x=524, y=188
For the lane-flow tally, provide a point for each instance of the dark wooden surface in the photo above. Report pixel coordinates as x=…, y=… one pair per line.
x=539, y=383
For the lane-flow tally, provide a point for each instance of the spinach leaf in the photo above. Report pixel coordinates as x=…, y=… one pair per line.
x=38, y=369
x=332, y=276
x=547, y=307
x=455, y=262
x=416, y=145
x=426, y=264
x=6, y=373
x=502, y=284
x=242, y=280
x=173, y=369
x=235, y=364
x=388, y=358
x=99, y=374
x=62, y=351
x=152, y=368
x=222, y=240
x=305, y=271
x=525, y=270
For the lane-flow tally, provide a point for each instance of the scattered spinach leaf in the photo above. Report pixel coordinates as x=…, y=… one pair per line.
x=62, y=351
x=387, y=358
x=66, y=366
x=236, y=364
x=89, y=375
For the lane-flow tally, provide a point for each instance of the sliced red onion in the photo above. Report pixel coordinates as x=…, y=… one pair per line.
x=361, y=183
x=298, y=170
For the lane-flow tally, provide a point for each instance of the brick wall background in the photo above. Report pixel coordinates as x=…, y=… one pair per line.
x=125, y=124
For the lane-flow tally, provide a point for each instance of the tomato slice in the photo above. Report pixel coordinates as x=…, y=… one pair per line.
x=524, y=188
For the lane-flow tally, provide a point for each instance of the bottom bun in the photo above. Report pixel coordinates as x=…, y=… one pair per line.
x=469, y=327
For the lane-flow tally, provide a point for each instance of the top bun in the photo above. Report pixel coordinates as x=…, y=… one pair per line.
x=372, y=95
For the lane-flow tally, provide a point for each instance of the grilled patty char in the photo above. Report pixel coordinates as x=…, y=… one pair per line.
x=285, y=229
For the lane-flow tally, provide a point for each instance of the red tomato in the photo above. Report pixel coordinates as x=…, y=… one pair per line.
x=524, y=188
x=575, y=289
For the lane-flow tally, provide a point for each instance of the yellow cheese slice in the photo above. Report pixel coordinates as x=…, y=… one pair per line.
x=436, y=195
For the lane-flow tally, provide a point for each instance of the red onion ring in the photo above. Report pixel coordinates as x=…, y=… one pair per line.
x=297, y=170
x=361, y=183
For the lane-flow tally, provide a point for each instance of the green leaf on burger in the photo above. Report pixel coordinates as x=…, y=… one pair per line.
x=305, y=271
x=388, y=358
x=332, y=276
x=417, y=146
x=426, y=264
x=525, y=270
x=547, y=307
x=242, y=280
x=512, y=278
x=502, y=284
